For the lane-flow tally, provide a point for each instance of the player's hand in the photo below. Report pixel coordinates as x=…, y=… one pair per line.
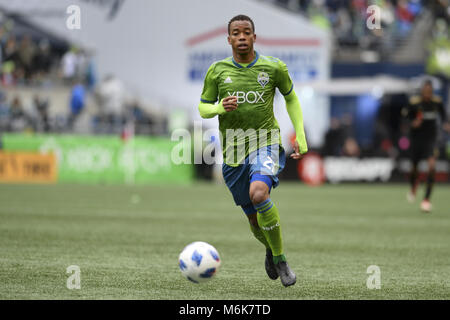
x=296, y=154
x=230, y=103
x=447, y=126
x=416, y=123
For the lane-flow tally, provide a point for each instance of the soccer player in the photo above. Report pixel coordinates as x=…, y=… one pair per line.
x=423, y=113
x=244, y=86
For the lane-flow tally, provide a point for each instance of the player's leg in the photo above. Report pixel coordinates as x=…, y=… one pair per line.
x=257, y=232
x=237, y=180
x=414, y=173
x=263, y=164
x=426, y=203
x=269, y=221
x=251, y=214
x=267, y=216
x=413, y=182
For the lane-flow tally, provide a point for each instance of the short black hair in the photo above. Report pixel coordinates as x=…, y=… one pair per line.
x=241, y=17
x=427, y=82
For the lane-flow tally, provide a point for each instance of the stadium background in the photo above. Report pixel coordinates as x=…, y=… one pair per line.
x=87, y=116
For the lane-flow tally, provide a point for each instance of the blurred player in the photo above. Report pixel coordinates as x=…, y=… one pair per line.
x=244, y=85
x=423, y=112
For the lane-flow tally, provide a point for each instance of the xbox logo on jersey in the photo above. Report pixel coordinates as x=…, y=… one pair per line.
x=263, y=78
x=249, y=97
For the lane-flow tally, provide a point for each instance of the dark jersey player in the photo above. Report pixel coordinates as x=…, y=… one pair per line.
x=424, y=112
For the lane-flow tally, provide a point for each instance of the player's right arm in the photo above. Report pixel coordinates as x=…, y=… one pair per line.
x=209, y=110
x=414, y=114
x=207, y=107
x=443, y=114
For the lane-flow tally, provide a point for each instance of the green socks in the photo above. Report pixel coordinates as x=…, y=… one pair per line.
x=257, y=232
x=269, y=222
x=279, y=258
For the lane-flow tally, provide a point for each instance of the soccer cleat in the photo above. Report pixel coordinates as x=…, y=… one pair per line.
x=287, y=276
x=270, y=266
x=411, y=196
x=425, y=205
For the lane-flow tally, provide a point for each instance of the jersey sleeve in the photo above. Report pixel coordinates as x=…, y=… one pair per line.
x=413, y=107
x=210, y=90
x=442, y=111
x=284, y=81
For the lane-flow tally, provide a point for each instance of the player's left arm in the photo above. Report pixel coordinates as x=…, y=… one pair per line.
x=444, y=118
x=295, y=113
x=447, y=126
x=294, y=110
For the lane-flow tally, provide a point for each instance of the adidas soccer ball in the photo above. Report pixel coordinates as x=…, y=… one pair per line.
x=199, y=262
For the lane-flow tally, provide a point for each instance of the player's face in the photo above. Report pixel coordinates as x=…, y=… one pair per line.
x=427, y=92
x=241, y=37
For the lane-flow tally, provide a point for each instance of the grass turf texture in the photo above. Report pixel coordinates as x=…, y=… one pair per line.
x=126, y=241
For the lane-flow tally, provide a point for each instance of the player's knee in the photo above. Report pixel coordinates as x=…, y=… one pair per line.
x=258, y=195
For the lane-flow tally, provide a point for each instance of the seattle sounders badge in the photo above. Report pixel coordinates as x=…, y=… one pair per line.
x=263, y=79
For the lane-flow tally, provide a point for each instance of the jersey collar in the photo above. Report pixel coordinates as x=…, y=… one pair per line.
x=251, y=63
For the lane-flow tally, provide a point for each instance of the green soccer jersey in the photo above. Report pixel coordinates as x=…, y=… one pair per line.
x=252, y=125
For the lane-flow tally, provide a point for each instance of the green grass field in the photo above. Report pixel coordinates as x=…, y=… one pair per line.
x=126, y=241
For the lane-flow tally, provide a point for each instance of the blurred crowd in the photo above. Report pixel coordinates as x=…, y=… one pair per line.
x=113, y=111
x=341, y=140
x=347, y=20
x=33, y=60
x=23, y=61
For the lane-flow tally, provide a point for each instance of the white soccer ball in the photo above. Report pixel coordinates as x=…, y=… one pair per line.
x=199, y=262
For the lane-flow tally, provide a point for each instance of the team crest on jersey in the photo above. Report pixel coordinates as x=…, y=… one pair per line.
x=263, y=78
